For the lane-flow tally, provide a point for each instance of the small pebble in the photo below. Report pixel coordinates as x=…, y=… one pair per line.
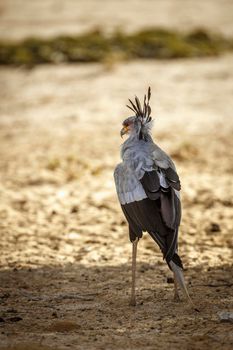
x=226, y=316
x=15, y=319
x=170, y=280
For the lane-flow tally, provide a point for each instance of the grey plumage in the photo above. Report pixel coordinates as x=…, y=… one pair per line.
x=147, y=173
x=148, y=187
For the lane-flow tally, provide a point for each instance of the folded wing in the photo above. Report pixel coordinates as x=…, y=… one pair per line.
x=151, y=203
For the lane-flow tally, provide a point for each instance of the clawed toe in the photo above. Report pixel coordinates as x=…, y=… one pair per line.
x=176, y=298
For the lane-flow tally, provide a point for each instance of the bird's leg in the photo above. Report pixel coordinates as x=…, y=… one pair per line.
x=176, y=294
x=134, y=256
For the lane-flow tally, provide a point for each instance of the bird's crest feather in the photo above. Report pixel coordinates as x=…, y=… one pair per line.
x=142, y=113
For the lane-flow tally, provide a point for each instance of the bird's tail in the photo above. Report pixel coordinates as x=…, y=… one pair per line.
x=178, y=271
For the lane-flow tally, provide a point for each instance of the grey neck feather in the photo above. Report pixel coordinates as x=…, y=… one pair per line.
x=133, y=143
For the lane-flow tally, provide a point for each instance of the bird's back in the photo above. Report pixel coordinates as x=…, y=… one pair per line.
x=148, y=190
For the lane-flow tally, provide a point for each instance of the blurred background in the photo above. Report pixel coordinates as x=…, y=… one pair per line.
x=67, y=69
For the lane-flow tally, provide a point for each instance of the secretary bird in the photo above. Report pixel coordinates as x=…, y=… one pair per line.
x=148, y=189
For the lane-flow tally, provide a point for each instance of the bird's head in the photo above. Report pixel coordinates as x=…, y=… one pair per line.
x=141, y=123
x=129, y=125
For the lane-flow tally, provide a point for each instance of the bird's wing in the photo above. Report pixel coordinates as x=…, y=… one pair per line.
x=157, y=185
x=129, y=189
x=140, y=182
x=161, y=159
x=169, y=185
x=137, y=178
x=165, y=165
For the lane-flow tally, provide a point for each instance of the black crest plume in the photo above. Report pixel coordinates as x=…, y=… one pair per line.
x=142, y=112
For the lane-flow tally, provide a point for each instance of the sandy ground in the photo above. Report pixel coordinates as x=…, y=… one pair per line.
x=19, y=19
x=65, y=254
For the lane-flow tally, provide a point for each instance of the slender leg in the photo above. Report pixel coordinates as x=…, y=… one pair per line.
x=176, y=294
x=134, y=256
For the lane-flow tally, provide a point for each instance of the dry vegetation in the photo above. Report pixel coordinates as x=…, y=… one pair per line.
x=96, y=46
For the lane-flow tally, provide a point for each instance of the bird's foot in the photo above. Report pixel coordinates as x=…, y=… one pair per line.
x=132, y=301
x=176, y=298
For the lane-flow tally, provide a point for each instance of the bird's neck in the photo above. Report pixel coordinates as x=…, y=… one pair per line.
x=133, y=144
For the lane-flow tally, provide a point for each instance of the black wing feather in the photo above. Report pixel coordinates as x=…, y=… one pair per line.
x=150, y=183
x=172, y=178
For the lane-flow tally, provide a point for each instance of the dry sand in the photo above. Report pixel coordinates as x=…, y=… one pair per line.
x=65, y=253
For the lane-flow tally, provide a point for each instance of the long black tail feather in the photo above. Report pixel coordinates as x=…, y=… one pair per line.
x=177, y=260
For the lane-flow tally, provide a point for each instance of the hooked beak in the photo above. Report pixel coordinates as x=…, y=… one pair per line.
x=124, y=130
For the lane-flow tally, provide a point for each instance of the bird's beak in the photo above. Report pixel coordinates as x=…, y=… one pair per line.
x=124, y=130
